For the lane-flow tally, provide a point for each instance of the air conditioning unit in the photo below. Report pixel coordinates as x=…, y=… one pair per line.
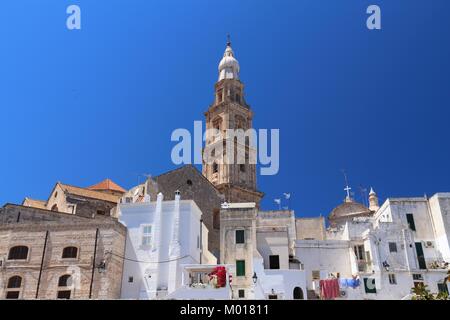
x=429, y=244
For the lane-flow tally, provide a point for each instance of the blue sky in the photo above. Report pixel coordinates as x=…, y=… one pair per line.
x=80, y=106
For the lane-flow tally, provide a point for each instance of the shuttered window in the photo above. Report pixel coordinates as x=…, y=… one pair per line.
x=410, y=220
x=240, y=268
x=240, y=236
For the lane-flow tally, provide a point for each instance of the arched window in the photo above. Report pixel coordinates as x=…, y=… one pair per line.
x=64, y=281
x=14, y=282
x=18, y=253
x=55, y=207
x=298, y=293
x=215, y=167
x=70, y=253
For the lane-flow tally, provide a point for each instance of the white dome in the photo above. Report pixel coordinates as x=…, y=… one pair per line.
x=228, y=66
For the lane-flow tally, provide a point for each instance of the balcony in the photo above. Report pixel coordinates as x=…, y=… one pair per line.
x=203, y=282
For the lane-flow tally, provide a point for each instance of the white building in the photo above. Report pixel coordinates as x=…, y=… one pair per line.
x=162, y=236
x=403, y=243
x=258, y=244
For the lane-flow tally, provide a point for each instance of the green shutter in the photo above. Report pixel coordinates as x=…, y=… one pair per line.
x=240, y=268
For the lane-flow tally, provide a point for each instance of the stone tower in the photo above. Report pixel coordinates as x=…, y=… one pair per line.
x=229, y=158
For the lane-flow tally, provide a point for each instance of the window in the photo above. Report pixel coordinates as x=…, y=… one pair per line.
x=64, y=281
x=392, y=279
x=420, y=256
x=101, y=212
x=240, y=236
x=70, y=253
x=240, y=268
x=359, y=252
x=215, y=167
x=242, y=167
x=315, y=274
x=18, y=253
x=274, y=262
x=14, y=282
x=417, y=276
x=273, y=297
x=130, y=279
x=55, y=208
x=392, y=247
x=64, y=294
x=241, y=293
x=12, y=294
x=146, y=235
x=410, y=220
x=56, y=194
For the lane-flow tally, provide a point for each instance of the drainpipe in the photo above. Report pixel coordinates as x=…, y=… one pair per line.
x=201, y=240
x=42, y=262
x=93, y=263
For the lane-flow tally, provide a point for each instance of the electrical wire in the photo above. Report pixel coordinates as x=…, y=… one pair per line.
x=140, y=261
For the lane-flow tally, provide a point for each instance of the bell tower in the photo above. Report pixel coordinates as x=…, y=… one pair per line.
x=229, y=159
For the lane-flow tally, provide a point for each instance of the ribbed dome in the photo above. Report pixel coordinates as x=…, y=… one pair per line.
x=348, y=210
x=228, y=66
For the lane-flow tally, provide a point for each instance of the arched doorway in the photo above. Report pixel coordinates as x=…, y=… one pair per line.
x=298, y=293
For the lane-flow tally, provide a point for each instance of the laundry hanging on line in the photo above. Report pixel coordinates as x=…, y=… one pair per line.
x=329, y=289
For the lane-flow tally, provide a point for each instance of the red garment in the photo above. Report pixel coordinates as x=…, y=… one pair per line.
x=221, y=274
x=329, y=288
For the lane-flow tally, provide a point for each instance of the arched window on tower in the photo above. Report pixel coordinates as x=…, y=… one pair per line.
x=64, y=283
x=13, y=287
x=70, y=253
x=18, y=253
x=215, y=167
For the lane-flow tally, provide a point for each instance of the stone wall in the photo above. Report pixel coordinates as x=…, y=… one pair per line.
x=28, y=226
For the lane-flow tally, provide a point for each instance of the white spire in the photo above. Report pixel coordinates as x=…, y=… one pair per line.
x=228, y=66
x=373, y=200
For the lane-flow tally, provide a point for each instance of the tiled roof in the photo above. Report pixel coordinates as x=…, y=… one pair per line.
x=83, y=192
x=40, y=204
x=107, y=184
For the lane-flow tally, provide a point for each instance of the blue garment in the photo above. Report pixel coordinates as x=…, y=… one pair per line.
x=352, y=283
x=343, y=283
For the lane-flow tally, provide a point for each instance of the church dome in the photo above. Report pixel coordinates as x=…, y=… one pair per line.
x=348, y=210
x=228, y=66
